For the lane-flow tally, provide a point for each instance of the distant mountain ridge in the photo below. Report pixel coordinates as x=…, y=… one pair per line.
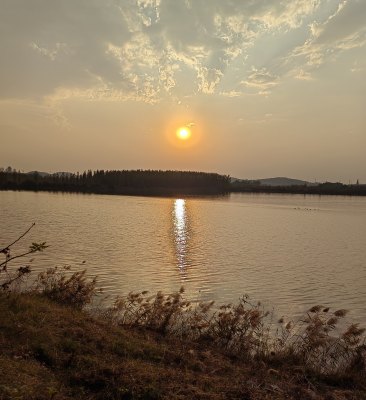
x=43, y=174
x=40, y=173
x=283, y=181
x=277, y=181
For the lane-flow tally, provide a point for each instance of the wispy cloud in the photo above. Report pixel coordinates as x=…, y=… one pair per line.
x=342, y=31
x=147, y=50
x=261, y=79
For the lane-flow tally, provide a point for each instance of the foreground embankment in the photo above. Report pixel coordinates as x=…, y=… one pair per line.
x=56, y=351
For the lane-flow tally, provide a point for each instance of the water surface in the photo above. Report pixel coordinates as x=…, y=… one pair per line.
x=289, y=251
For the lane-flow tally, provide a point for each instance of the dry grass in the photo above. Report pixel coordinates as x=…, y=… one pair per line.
x=239, y=329
x=318, y=342
x=247, y=331
x=73, y=289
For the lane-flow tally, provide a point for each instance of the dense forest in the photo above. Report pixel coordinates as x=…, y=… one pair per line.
x=135, y=182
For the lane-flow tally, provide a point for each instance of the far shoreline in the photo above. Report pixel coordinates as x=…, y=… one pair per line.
x=175, y=194
x=159, y=183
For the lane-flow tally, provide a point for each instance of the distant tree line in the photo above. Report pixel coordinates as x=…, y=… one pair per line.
x=139, y=182
x=327, y=188
x=156, y=182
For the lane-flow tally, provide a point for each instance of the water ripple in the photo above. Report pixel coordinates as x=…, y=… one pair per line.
x=289, y=251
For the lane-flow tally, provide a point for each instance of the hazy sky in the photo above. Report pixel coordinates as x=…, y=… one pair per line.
x=267, y=87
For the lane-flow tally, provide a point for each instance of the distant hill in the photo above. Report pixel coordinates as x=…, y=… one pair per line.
x=42, y=174
x=278, y=181
x=282, y=181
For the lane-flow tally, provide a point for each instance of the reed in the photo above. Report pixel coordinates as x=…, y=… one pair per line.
x=61, y=285
x=247, y=331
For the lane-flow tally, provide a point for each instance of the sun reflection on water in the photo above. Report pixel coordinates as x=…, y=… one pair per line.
x=180, y=231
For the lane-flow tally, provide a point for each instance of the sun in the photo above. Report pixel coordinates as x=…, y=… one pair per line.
x=183, y=133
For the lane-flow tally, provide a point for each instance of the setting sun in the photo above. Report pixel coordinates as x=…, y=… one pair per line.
x=183, y=133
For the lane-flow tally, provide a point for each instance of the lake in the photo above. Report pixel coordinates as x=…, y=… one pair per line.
x=289, y=251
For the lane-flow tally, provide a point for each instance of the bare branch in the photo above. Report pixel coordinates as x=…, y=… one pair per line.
x=13, y=258
x=17, y=240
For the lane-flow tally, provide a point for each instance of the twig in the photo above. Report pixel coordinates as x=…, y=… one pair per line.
x=13, y=258
x=17, y=240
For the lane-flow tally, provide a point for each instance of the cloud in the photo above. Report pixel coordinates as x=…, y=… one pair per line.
x=261, y=80
x=54, y=44
x=303, y=75
x=146, y=50
x=344, y=30
x=349, y=20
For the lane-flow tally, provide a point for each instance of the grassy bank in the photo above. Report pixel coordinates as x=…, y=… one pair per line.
x=162, y=346
x=53, y=351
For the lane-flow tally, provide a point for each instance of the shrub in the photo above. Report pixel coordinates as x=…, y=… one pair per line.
x=157, y=312
x=318, y=342
x=236, y=328
x=246, y=330
x=73, y=289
